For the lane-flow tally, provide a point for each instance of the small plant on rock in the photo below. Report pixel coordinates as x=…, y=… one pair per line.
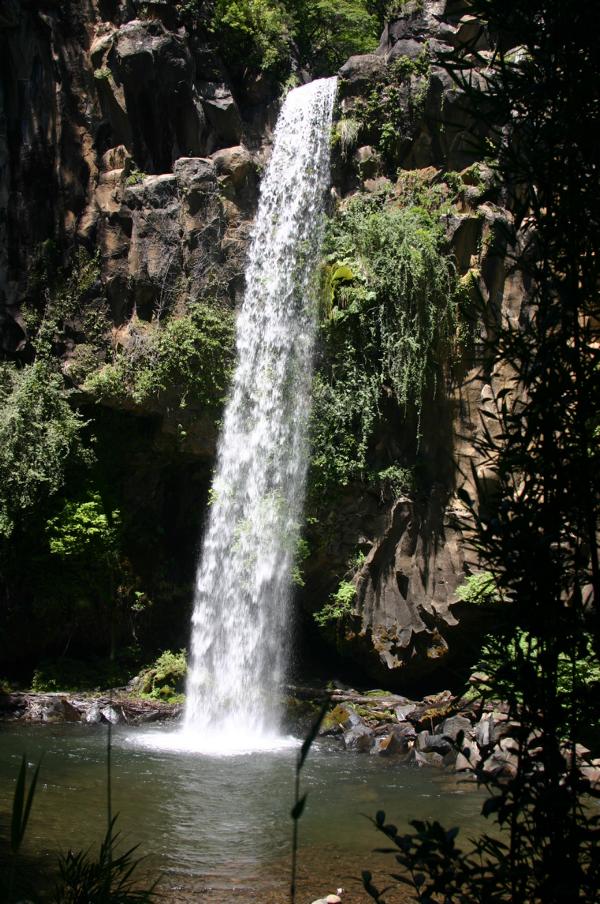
x=338, y=606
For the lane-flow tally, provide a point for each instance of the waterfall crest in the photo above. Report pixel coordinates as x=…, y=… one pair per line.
x=241, y=607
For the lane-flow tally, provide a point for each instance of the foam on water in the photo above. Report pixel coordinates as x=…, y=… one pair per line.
x=213, y=743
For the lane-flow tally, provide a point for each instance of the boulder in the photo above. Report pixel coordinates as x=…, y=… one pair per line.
x=359, y=738
x=394, y=742
x=451, y=727
x=420, y=759
x=360, y=71
x=431, y=743
x=93, y=715
x=468, y=757
x=111, y=714
x=235, y=162
x=404, y=711
x=368, y=162
x=51, y=708
x=221, y=112
x=501, y=764
x=483, y=731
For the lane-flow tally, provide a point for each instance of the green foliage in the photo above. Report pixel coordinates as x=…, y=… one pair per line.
x=502, y=656
x=22, y=803
x=302, y=553
x=536, y=528
x=135, y=176
x=40, y=436
x=395, y=481
x=83, y=528
x=338, y=606
x=109, y=879
x=102, y=74
x=480, y=589
x=429, y=860
x=266, y=34
x=345, y=133
x=389, y=326
x=15, y=878
x=165, y=679
x=388, y=111
x=188, y=360
x=68, y=302
x=259, y=32
x=82, y=878
x=327, y=32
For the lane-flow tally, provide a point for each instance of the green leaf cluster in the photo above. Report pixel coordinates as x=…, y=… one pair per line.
x=187, y=360
x=256, y=31
x=84, y=528
x=66, y=303
x=389, y=325
x=480, y=589
x=338, y=606
x=107, y=877
x=40, y=436
x=267, y=34
x=505, y=654
x=327, y=32
x=388, y=111
x=165, y=678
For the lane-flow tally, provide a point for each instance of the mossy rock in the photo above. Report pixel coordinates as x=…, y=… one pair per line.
x=336, y=718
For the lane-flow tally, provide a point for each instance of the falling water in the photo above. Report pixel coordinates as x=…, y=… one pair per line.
x=240, y=621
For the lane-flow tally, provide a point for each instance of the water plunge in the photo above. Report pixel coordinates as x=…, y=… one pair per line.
x=241, y=614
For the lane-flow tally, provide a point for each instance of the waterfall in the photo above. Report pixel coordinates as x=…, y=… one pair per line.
x=241, y=616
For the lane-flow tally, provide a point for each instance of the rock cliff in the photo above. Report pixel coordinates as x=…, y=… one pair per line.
x=122, y=134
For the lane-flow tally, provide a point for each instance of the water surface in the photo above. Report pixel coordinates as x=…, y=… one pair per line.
x=218, y=828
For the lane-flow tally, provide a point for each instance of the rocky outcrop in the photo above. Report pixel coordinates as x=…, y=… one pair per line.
x=121, y=131
x=92, y=709
x=407, y=625
x=94, y=102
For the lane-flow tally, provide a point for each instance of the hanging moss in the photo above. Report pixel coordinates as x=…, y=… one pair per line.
x=389, y=325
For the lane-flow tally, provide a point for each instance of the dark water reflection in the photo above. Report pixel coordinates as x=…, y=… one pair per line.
x=218, y=828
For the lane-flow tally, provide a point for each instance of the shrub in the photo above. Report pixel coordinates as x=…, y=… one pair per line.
x=66, y=302
x=188, y=359
x=346, y=132
x=165, y=679
x=267, y=34
x=327, y=32
x=338, y=606
x=390, y=314
x=388, y=112
x=84, y=528
x=40, y=436
x=256, y=31
x=480, y=589
x=72, y=675
x=395, y=481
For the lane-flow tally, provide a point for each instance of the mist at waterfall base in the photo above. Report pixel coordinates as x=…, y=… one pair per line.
x=241, y=617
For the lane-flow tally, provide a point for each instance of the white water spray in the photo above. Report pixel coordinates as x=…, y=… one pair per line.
x=241, y=608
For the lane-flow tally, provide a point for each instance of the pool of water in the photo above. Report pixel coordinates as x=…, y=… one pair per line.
x=218, y=827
